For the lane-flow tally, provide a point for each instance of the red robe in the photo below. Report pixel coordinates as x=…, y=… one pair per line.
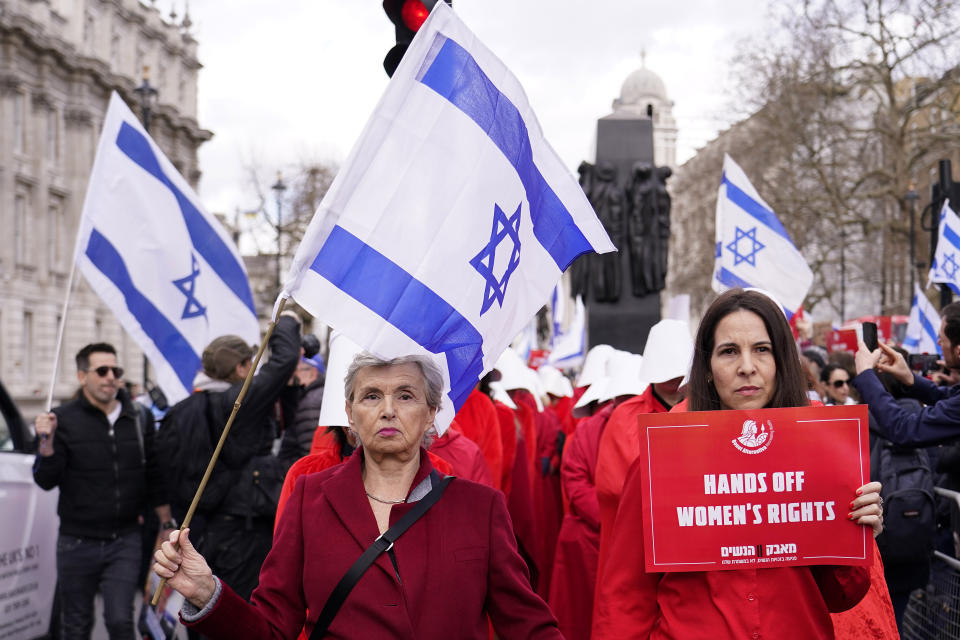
x=563, y=409
x=545, y=469
x=463, y=455
x=456, y=564
x=478, y=421
x=578, y=547
x=520, y=505
x=619, y=447
x=789, y=603
x=508, y=436
x=872, y=618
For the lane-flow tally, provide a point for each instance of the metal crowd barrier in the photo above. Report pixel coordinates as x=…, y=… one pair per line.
x=933, y=613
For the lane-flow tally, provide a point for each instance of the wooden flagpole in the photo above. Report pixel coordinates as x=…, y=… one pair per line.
x=223, y=437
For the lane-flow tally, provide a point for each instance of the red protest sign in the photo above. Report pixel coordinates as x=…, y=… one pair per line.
x=751, y=489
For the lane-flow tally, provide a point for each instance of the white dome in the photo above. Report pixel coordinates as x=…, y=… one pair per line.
x=641, y=85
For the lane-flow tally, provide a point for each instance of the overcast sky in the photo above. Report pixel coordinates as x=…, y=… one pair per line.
x=296, y=80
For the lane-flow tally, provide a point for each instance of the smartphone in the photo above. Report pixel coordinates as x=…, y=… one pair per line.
x=923, y=363
x=870, y=335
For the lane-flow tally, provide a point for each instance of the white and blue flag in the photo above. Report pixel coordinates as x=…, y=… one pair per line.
x=946, y=261
x=753, y=248
x=165, y=267
x=567, y=345
x=451, y=220
x=923, y=328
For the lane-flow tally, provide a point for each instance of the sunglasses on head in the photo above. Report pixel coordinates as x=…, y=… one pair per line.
x=839, y=383
x=102, y=371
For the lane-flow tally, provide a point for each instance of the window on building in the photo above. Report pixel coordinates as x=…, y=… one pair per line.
x=89, y=32
x=53, y=136
x=20, y=220
x=115, y=49
x=19, y=122
x=98, y=329
x=28, y=353
x=55, y=234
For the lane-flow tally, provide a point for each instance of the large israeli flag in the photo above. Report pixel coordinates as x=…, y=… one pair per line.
x=946, y=261
x=165, y=267
x=753, y=249
x=923, y=326
x=451, y=220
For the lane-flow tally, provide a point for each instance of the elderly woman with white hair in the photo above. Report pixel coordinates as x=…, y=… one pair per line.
x=404, y=552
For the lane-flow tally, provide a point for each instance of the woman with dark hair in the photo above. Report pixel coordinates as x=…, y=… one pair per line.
x=744, y=358
x=836, y=383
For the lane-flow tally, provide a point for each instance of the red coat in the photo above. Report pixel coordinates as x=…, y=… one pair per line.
x=578, y=547
x=619, y=447
x=457, y=564
x=327, y=455
x=464, y=456
x=478, y=421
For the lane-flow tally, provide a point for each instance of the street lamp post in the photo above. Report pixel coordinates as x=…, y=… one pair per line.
x=912, y=196
x=148, y=98
x=278, y=189
x=148, y=102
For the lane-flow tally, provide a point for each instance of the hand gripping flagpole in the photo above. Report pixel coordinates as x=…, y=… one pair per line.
x=223, y=437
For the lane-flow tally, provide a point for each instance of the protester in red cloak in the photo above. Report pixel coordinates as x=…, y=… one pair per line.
x=578, y=546
x=478, y=421
x=508, y=436
x=666, y=360
x=463, y=454
x=745, y=358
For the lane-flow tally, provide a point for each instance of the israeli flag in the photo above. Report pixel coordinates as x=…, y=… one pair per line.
x=946, y=261
x=165, y=267
x=753, y=248
x=923, y=327
x=567, y=346
x=451, y=220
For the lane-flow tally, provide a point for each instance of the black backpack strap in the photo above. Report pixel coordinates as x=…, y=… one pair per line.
x=381, y=544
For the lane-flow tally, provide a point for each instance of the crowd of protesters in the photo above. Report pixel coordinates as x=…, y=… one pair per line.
x=556, y=446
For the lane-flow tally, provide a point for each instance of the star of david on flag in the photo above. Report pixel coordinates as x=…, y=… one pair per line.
x=753, y=249
x=484, y=262
x=923, y=327
x=749, y=253
x=165, y=267
x=944, y=269
x=451, y=220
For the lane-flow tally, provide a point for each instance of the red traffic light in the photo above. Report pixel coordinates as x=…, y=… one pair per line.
x=414, y=14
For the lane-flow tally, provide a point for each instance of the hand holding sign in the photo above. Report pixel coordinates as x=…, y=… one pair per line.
x=867, y=508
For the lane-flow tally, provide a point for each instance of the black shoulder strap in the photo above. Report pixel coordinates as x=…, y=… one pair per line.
x=381, y=544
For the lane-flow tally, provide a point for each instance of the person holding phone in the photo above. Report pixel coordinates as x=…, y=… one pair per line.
x=939, y=420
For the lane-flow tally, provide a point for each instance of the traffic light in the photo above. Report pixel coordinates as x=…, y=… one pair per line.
x=407, y=16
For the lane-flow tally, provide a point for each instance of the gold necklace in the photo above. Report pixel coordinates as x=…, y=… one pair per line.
x=381, y=500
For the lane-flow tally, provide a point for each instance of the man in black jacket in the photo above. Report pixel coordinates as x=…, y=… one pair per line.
x=238, y=523
x=98, y=449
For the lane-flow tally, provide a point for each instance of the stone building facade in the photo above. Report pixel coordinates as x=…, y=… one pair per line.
x=59, y=62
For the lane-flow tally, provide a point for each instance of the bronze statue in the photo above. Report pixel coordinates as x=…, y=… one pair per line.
x=609, y=201
x=648, y=228
x=580, y=269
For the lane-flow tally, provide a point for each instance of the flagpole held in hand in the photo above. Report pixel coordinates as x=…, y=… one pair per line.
x=223, y=437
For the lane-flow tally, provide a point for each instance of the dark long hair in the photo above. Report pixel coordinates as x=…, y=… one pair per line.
x=791, y=385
